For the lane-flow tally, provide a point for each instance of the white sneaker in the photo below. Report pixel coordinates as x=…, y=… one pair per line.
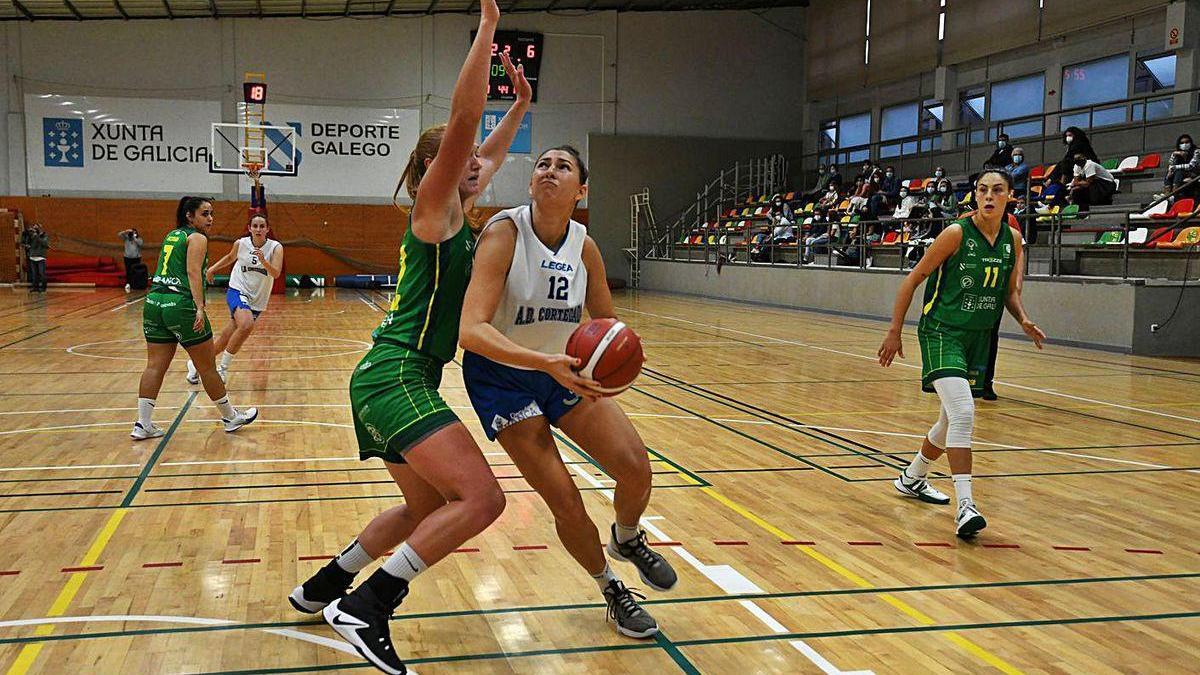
x=920, y=489
x=240, y=420
x=193, y=377
x=141, y=433
x=969, y=520
x=127, y=288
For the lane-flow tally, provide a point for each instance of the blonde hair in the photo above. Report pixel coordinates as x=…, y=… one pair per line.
x=427, y=148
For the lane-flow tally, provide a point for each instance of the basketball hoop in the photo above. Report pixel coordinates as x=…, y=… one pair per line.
x=253, y=171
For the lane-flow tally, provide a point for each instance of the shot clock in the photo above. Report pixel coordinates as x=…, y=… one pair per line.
x=254, y=92
x=524, y=49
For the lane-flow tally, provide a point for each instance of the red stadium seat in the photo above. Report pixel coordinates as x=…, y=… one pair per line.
x=1150, y=161
x=1179, y=209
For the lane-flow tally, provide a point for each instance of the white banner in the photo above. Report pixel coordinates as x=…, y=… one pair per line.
x=343, y=152
x=119, y=144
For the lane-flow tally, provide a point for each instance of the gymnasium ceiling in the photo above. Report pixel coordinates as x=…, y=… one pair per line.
x=124, y=10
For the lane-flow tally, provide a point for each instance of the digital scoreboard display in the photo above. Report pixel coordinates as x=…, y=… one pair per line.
x=524, y=49
x=254, y=92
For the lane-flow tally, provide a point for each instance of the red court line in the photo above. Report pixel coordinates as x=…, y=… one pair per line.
x=1002, y=546
x=665, y=543
x=1143, y=550
x=937, y=544
x=865, y=543
x=787, y=542
x=466, y=550
x=723, y=542
x=316, y=557
x=92, y=568
x=241, y=561
x=1072, y=548
x=9, y=573
x=163, y=564
x=534, y=547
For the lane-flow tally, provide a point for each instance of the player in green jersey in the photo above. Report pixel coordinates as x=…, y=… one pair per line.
x=174, y=315
x=973, y=275
x=450, y=492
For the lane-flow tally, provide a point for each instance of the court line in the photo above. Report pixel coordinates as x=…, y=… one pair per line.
x=29, y=652
x=909, y=365
x=131, y=302
x=30, y=337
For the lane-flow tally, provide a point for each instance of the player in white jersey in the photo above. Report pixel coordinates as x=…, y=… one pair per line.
x=535, y=270
x=257, y=260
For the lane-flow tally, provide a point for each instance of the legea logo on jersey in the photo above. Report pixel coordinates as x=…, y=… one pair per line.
x=63, y=141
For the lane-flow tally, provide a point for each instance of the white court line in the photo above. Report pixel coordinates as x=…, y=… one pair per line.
x=131, y=302
x=369, y=304
x=1118, y=461
x=909, y=365
x=260, y=461
x=724, y=577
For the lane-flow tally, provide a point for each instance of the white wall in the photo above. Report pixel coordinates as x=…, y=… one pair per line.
x=659, y=73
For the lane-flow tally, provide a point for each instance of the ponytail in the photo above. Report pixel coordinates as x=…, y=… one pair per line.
x=187, y=205
x=414, y=171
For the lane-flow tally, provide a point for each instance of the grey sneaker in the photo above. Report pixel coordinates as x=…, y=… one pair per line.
x=626, y=613
x=969, y=521
x=240, y=420
x=654, y=570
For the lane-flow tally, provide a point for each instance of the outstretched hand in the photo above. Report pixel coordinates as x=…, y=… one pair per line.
x=489, y=11
x=1036, y=334
x=890, y=348
x=516, y=75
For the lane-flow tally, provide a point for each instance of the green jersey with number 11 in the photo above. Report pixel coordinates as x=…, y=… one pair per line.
x=968, y=290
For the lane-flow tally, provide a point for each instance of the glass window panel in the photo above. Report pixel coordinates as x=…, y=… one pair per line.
x=892, y=150
x=932, y=115
x=1073, y=120
x=828, y=136
x=909, y=148
x=898, y=121
x=972, y=105
x=858, y=156
x=1158, y=109
x=976, y=137
x=1104, y=117
x=854, y=130
x=1154, y=74
x=1024, y=129
x=1021, y=97
x=1095, y=82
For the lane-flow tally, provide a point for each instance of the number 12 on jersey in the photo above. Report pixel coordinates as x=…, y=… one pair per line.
x=558, y=288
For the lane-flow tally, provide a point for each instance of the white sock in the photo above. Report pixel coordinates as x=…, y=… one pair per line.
x=191, y=368
x=962, y=487
x=145, y=411
x=919, y=468
x=354, y=558
x=226, y=358
x=227, y=411
x=625, y=533
x=404, y=563
x=604, y=577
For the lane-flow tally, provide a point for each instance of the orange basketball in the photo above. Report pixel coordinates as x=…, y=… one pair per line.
x=611, y=353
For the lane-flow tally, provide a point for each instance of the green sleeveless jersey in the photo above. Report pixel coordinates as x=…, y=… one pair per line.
x=170, y=276
x=968, y=290
x=430, y=286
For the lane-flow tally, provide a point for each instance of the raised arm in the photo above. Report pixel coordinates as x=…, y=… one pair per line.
x=942, y=248
x=493, y=150
x=493, y=255
x=437, y=197
x=1012, y=299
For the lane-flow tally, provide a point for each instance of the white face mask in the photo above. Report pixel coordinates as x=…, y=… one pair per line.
x=930, y=189
x=939, y=174
x=1185, y=146
x=1017, y=159
x=1001, y=144
x=1069, y=139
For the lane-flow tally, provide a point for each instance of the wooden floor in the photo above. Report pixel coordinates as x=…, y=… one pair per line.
x=774, y=437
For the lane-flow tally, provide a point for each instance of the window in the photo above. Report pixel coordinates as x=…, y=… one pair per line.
x=932, y=115
x=972, y=110
x=898, y=121
x=1087, y=84
x=854, y=130
x=1021, y=97
x=827, y=140
x=846, y=132
x=1154, y=74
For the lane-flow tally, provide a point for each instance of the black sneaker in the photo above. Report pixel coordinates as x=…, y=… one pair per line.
x=361, y=619
x=626, y=613
x=989, y=394
x=654, y=570
x=328, y=584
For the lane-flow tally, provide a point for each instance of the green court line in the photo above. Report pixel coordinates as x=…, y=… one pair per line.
x=396, y=496
x=1080, y=413
x=678, y=467
x=700, y=482
x=162, y=445
x=30, y=337
x=786, y=595
x=676, y=655
x=900, y=630
x=799, y=458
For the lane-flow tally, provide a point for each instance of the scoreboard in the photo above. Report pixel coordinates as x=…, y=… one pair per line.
x=524, y=49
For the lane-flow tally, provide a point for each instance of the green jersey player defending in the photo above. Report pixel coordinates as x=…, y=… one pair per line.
x=974, y=275
x=174, y=315
x=450, y=493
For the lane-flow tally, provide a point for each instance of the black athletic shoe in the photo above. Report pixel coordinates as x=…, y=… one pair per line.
x=655, y=571
x=328, y=584
x=989, y=394
x=626, y=613
x=361, y=619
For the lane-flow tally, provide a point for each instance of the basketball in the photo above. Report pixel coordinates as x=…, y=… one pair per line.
x=610, y=351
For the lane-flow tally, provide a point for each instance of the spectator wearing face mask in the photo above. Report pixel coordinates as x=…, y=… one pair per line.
x=1077, y=143
x=1019, y=171
x=823, y=176
x=782, y=220
x=939, y=173
x=907, y=202
x=945, y=200
x=1184, y=165
x=867, y=169
x=1093, y=184
x=818, y=235
x=832, y=196
x=1002, y=156
x=863, y=189
x=888, y=195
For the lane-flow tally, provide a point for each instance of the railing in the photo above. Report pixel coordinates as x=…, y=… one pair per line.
x=1143, y=112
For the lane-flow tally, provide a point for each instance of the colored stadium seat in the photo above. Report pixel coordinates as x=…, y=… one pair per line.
x=915, y=184
x=890, y=238
x=1179, y=209
x=1160, y=207
x=1128, y=164
x=1038, y=172
x=1150, y=161
x=1189, y=236
x=1111, y=237
x=1069, y=211
x=1110, y=164
x=1139, y=235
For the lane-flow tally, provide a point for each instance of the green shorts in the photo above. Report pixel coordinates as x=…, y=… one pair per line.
x=947, y=351
x=395, y=402
x=170, y=317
